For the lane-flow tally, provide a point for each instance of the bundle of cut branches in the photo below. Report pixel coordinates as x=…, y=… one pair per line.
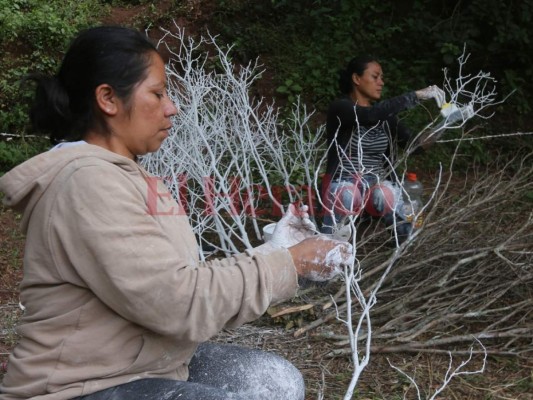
x=468, y=274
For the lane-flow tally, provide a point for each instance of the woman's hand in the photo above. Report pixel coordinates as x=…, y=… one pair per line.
x=432, y=92
x=294, y=227
x=316, y=257
x=321, y=258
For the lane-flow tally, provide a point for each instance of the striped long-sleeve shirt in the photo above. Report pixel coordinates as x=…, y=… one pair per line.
x=360, y=138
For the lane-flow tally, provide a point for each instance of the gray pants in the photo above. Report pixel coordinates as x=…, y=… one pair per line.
x=219, y=372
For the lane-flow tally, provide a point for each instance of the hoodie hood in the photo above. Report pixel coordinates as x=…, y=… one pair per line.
x=24, y=185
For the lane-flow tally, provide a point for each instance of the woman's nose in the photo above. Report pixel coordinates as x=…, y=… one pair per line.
x=170, y=108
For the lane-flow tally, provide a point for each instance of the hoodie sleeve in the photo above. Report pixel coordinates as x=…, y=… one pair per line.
x=102, y=235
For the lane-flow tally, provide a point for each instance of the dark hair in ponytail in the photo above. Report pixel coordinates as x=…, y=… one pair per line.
x=50, y=110
x=64, y=105
x=357, y=65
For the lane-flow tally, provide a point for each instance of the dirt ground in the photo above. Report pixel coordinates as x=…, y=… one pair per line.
x=504, y=378
x=11, y=252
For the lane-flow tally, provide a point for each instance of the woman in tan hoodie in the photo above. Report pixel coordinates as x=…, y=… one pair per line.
x=117, y=301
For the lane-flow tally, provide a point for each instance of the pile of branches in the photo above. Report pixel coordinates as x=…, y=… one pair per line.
x=466, y=276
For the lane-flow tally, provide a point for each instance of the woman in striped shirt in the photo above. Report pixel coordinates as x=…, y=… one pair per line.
x=362, y=136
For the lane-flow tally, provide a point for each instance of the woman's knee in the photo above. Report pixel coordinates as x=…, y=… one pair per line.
x=247, y=372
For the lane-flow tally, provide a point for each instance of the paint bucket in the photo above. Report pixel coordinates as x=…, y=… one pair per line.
x=268, y=230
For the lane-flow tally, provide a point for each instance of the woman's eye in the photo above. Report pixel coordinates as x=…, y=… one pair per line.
x=159, y=95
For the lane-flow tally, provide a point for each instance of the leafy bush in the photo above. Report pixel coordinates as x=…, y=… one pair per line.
x=32, y=35
x=305, y=42
x=16, y=151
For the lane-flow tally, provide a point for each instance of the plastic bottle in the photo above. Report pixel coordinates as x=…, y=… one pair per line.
x=412, y=199
x=448, y=109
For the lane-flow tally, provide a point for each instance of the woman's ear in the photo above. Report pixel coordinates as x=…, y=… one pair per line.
x=106, y=99
x=356, y=79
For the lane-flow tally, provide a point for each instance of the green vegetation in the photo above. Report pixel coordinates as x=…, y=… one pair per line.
x=32, y=35
x=16, y=151
x=303, y=43
x=306, y=42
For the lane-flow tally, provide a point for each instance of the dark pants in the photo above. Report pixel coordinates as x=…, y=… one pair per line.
x=219, y=372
